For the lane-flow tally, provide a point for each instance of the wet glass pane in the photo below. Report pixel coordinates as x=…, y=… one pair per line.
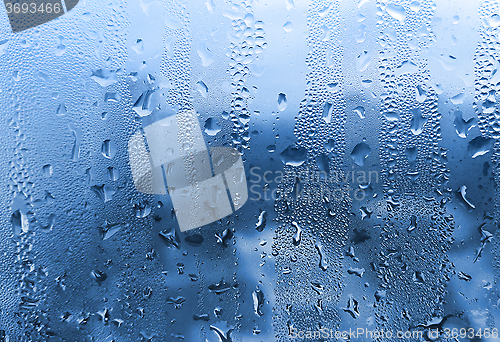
x=246, y=171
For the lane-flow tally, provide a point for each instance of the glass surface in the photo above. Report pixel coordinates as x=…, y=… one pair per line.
x=281, y=170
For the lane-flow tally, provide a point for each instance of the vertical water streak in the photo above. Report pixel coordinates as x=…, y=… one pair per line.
x=312, y=206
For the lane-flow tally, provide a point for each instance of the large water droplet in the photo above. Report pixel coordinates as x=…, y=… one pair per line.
x=360, y=152
x=417, y=121
x=202, y=88
x=282, y=102
x=207, y=56
x=298, y=234
x=261, y=222
x=479, y=146
x=462, y=126
x=360, y=111
x=108, y=149
x=211, y=127
x=327, y=112
x=363, y=61
x=396, y=11
x=19, y=222
x=406, y=67
x=104, y=77
x=288, y=26
x=258, y=302
x=293, y=156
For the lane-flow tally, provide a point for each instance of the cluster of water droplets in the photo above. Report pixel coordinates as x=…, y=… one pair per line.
x=487, y=73
x=247, y=44
x=415, y=227
x=312, y=223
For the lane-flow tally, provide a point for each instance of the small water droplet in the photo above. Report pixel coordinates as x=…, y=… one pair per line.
x=288, y=26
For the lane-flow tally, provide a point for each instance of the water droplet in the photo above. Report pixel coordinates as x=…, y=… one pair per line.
x=4, y=43
x=104, y=77
x=99, y=276
x=352, y=307
x=170, y=238
x=413, y=223
x=356, y=271
x=108, y=149
x=494, y=20
x=61, y=110
x=333, y=87
x=417, y=121
x=211, y=127
x=225, y=237
x=113, y=174
x=421, y=94
x=202, y=88
x=60, y=48
x=330, y=145
x=298, y=235
x=363, y=61
x=323, y=163
x=462, y=126
x=463, y=196
x=415, y=6
x=261, y=222
x=327, y=112
x=172, y=23
x=19, y=222
x=195, y=240
x=293, y=156
x=109, y=229
x=138, y=46
x=323, y=264
x=464, y=276
x=176, y=301
x=418, y=277
x=112, y=97
x=396, y=11
x=219, y=287
x=360, y=152
x=479, y=146
x=142, y=104
x=380, y=294
x=48, y=170
x=360, y=111
x=142, y=209
x=288, y=27
x=103, y=192
x=458, y=99
x=207, y=56
x=258, y=302
x=201, y=317
x=406, y=67
x=391, y=116
x=282, y=102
